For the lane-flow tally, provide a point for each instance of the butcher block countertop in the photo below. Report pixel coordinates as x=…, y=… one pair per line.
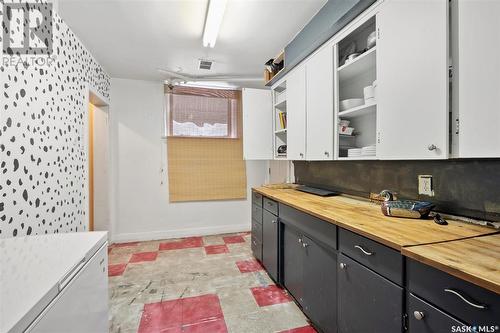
x=467, y=251
x=366, y=218
x=476, y=260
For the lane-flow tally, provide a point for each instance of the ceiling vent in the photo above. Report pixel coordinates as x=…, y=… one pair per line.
x=205, y=64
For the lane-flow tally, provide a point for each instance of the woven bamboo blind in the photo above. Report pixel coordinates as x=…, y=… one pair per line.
x=202, y=169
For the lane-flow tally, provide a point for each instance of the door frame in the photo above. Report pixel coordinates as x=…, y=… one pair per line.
x=92, y=96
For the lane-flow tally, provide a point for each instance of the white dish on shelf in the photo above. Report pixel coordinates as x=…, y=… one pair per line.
x=350, y=103
x=345, y=130
x=344, y=122
x=353, y=152
x=368, y=92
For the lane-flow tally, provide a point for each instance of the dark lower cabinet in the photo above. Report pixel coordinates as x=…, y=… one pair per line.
x=425, y=318
x=270, y=244
x=367, y=301
x=293, y=263
x=360, y=287
x=257, y=248
x=310, y=275
x=320, y=285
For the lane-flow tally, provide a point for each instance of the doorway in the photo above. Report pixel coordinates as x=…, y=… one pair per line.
x=98, y=164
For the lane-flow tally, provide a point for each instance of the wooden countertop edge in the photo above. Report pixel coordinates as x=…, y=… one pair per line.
x=487, y=284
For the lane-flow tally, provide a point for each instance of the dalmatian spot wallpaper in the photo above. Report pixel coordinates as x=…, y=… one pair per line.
x=43, y=161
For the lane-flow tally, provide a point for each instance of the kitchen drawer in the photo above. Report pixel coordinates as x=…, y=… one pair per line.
x=271, y=206
x=382, y=259
x=257, y=248
x=318, y=229
x=257, y=198
x=257, y=213
x=463, y=300
x=424, y=318
x=257, y=230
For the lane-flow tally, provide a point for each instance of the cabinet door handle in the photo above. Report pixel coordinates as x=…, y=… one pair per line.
x=419, y=315
x=363, y=250
x=273, y=221
x=300, y=240
x=342, y=265
x=327, y=153
x=478, y=306
x=304, y=245
x=432, y=147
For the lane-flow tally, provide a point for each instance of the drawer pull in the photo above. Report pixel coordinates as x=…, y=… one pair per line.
x=419, y=315
x=300, y=240
x=363, y=250
x=478, y=306
x=342, y=265
x=273, y=221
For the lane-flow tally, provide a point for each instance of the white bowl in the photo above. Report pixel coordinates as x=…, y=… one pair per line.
x=350, y=103
x=371, y=40
x=368, y=92
x=344, y=122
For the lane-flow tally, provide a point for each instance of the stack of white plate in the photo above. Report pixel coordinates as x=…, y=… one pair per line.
x=354, y=152
x=369, y=151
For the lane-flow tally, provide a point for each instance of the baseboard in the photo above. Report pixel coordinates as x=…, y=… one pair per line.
x=179, y=233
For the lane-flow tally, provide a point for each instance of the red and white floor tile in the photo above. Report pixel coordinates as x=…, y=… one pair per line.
x=206, y=284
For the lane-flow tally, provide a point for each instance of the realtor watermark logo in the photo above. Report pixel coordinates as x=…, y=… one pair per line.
x=27, y=33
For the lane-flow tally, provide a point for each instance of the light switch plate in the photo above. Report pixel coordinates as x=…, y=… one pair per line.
x=425, y=185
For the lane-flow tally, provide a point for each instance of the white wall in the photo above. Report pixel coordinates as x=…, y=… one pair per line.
x=141, y=207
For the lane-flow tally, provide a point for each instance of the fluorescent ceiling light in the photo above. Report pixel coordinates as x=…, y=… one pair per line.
x=215, y=13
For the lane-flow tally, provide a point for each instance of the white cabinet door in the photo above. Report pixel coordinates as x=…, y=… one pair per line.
x=319, y=101
x=257, y=124
x=412, y=79
x=296, y=114
x=476, y=87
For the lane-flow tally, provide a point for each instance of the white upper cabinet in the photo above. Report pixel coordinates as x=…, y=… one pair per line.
x=257, y=124
x=476, y=86
x=296, y=113
x=412, y=79
x=319, y=105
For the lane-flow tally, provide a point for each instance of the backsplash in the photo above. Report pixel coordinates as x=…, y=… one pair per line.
x=462, y=187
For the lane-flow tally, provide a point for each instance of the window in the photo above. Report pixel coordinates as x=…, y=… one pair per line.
x=199, y=112
x=201, y=165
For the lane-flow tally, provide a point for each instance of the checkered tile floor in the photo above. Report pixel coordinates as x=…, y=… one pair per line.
x=208, y=284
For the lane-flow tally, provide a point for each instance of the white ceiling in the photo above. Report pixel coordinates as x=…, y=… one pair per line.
x=132, y=38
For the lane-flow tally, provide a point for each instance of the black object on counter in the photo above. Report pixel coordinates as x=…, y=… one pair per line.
x=439, y=220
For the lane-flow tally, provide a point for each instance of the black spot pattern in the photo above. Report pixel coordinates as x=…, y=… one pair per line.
x=43, y=144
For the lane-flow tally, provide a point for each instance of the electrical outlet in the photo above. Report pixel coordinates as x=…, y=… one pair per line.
x=425, y=185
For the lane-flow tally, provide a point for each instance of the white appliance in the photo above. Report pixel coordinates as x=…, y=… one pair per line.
x=54, y=283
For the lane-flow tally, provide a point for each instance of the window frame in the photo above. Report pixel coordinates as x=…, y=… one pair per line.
x=228, y=94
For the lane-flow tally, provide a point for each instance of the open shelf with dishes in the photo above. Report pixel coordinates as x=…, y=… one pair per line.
x=356, y=106
x=280, y=120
